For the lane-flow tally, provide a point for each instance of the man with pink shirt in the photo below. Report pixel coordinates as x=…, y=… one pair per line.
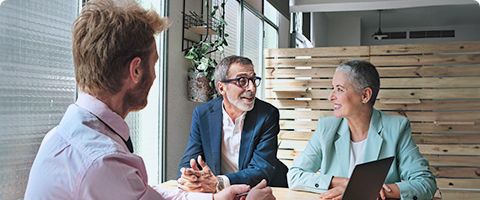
x=89, y=155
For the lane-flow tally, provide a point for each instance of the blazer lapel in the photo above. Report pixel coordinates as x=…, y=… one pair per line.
x=374, y=140
x=247, y=138
x=342, y=148
x=215, y=132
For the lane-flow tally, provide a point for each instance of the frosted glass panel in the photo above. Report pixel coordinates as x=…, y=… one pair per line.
x=37, y=82
x=252, y=41
x=232, y=10
x=271, y=37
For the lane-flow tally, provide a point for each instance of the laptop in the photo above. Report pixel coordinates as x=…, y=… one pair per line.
x=367, y=180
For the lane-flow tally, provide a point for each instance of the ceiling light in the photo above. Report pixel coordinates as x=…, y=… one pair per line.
x=379, y=35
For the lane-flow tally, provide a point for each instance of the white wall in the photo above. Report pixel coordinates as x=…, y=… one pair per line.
x=283, y=32
x=344, y=31
x=319, y=33
x=178, y=108
x=462, y=33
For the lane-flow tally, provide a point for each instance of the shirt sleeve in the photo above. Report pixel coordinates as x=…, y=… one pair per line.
x=123, y=176
x=303, y=174
x=176, y=194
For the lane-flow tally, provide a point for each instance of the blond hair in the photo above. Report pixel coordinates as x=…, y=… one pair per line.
x=107, y=35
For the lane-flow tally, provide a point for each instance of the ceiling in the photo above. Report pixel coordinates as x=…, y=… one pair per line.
x=419, y=17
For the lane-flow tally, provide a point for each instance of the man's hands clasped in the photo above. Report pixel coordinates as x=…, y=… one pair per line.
x=195, y=180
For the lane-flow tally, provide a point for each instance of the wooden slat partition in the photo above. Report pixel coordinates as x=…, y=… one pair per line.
x=436, y=86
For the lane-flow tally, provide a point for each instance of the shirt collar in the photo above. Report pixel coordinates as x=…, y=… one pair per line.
x=227, y=117
x=104, y=113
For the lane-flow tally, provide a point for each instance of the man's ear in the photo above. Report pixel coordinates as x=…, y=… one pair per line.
x=221, y=88
x=135, y=69
x=367, y=94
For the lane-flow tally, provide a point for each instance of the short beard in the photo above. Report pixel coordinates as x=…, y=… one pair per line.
x=239, y=104
x=136, y=99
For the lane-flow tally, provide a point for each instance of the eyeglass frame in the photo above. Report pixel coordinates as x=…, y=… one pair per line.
x=237, y=80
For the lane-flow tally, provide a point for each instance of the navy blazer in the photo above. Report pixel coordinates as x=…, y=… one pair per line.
x=258, y=145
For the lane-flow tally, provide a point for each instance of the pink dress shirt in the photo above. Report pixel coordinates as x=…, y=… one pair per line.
x=85, y=158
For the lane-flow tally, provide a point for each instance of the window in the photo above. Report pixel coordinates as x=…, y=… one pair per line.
x=37, y=82
x=146, y=127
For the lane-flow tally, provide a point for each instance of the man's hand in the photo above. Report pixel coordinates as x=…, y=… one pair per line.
x=195, y=180
x=230, y=192
x=261, y=191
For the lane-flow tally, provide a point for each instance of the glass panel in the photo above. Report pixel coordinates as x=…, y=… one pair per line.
x=271, y=37
x=252, y=42
x=232, y=10
x=37, y=82
x=271, y=13
x=145, y=125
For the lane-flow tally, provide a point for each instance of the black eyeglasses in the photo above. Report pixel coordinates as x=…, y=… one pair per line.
x=244, y=81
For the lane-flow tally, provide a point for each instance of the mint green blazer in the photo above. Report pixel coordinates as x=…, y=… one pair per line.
x=328, y=154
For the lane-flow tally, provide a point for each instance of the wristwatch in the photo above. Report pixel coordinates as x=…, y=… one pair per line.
x=220, y=184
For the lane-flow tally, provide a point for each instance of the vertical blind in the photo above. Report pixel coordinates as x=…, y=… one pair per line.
x=37, y=82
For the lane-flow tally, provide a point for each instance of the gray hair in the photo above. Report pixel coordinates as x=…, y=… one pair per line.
x=362, y=74
x=221, y=71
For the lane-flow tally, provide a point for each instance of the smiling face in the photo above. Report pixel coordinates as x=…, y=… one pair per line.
x=347, y=101
x=239, y=98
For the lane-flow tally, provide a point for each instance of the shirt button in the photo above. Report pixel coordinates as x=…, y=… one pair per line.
x=414, y=197
x=316, y=185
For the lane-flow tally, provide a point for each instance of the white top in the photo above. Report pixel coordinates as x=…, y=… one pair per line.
x=357, y=153
x=85, y=158
x=231, y=138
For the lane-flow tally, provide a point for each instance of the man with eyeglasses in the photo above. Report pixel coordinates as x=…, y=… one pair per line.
x=233, y=138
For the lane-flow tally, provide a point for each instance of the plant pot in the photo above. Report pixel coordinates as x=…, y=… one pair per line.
x=199, y=89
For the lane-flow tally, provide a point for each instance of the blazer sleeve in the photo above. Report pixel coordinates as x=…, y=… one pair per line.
x=194, y=145
x=303, y=174
x=261, y=166
x=417, y=180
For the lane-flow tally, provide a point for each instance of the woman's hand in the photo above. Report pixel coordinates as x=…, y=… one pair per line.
x=337, y=187
x=389, y=191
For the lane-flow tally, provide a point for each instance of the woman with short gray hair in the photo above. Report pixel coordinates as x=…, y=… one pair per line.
x=358, y=134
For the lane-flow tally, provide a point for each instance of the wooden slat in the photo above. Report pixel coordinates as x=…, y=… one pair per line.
x=448, y=82
x=424, y=105
x=464, y=93
x=287, y=162
x=424, y=60
x=423, y=127
x=429, y=71
x=432, y=128
x=418, y=71
x=460, y=117
x=456, y=172
x=290, y=135
x=418, y=138
x=287, y=124
x=287, y=154
x=296, y=145
x=455, y=47
x=448, y=194
x=443, y=183
x=447, y=138
x=310, y=62
x=450, y=149
x=324, y=52
x=292, y=73
x=453, y=160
